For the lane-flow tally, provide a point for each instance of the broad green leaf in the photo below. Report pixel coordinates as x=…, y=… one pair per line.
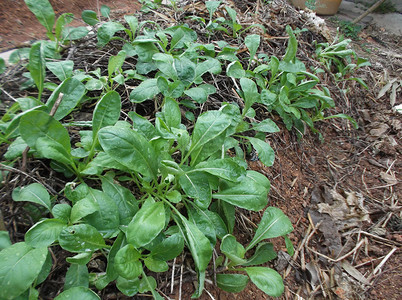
x=235, y=70
x=227, y=212
x=263, y=253
x=250, y=93
x=201, y=219
x=106, y=220
x=265, y=153
x=62, y=69
x=267, y=280
x=43, y=11
x=169, y=248
x=132, y=23
x=20, y=265
x=165, y=64
x=289, y=246
x=36, y=66
x=291, y=50
x=212, y=6
x=123, y=197
x=61, y=22
x=35, y=192
x=4, y=240
x=74, y=33
x=225, y=168
x=62, y=211
x=147, y=89
x=185, y=69
x=197, y=242
x=143, y=126
x=81, y=238
x=2, y=65
x=44, y=233
x=210, y=65
x=250, y=193
x=232, y=283
x=209, y=125
x=127, y=263
x=171, y=113
x=252, y=42
x=268, y=98
x=116, y=62
x=15, y=149
x=128, y=287
x=274, y=223
x=196, y=186
x=77, y=275
x=233, y=250
x=107, y=31
x=105, y=10
x=81, y=258
x=198, y=94
x=45, y=271
x=147, y=223
x=83, y=208
x=106, y=112
x=185, y=36
x=147, y=284
x=174, y=196
x=18, y=55
x=156, y=265
x=130, y=149
x=90, y=17
x=38, y=124
x=266, y=125
x=53, y=150
x=217, y=223
x=78, y=292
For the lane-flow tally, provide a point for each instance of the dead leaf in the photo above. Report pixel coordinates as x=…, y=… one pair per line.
x=352, y=271
x=311, y=268
x=378, y=129
x=389, y=177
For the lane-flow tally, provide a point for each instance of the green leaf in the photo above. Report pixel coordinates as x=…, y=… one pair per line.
x=198, y=94
x=212, y=6
x=156, y=265
x=106, y=112
x=80, y=258
x=267, y=280
x=90, y=17
x=45, y=271
x=19, y=55
x=43, y=11
x=263, y=253
x=291, y=50
x=106, y=219
x=62, y=69
x=235, y=70
x=344, y=116
x=143, y=126
x=77, y=275
x=105, y=11
x=196, y=186
x=225, y=168
x=4, y=240
x=74, y=33
x=252, y=42
x=274, y=223
x=268, y=98
x=44, y=233
x=165, y=64
x=169, y=248
x=185, y=69
x=62, y=211
x=289, y=246
x=197, y=242
x=233, y=250
x=174, y=196
x=36, y=66
x=124, y=199
x=107, y=31
x=35, y=193
x=127, y=263
x=266, y=125
x=61, y=22
x=202, y=220
x=2, y=65
x=210, y=65
x=73, y=91
x=250, y=93
x=233, y=283
x=116, y=62
x=128, y=287
x=147, y=89
x=38, y=124
x=78, y=292
x=250, y=193
x=171, y=113
x=83, y=208
x=20, y=265
x=132, y=23
x=265, y=153
x=147, y=223
x=81, y=238
x=209, y=125
x=130, y=149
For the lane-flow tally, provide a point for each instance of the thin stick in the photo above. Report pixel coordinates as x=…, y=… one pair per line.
x=11, y=97
x=370, y=10
x=172, y=281
x=381, y=264
x=340, y=258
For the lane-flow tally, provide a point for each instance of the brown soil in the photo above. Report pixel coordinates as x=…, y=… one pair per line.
x=362, y=162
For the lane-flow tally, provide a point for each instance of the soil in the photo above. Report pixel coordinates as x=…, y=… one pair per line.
x=362, y=164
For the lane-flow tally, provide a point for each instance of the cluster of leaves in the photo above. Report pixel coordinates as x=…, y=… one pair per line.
x=142, y=191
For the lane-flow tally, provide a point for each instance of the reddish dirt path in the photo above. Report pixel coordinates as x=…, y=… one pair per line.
x=18, y=25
